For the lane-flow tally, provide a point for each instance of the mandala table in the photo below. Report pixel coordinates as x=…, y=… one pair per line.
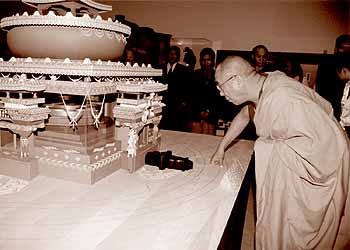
x=149, y=209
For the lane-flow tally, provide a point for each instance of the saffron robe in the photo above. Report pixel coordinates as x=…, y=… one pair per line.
x=302, y=168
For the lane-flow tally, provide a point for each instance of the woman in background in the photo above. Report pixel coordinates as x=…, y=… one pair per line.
x=206, y=97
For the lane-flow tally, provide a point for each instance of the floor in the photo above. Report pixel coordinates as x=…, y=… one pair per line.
x=249, y=225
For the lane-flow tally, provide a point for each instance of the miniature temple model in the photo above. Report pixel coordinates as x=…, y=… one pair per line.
x=68, y=108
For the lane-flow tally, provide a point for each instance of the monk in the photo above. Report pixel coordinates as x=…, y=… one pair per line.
x=301, y=156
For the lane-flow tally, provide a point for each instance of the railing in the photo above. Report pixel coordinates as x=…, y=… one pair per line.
x=4, y=115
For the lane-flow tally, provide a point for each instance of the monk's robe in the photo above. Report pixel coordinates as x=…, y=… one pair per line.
x=302, y=168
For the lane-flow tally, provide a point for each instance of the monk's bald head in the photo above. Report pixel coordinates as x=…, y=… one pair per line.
x=233, y=65
x=238, y=81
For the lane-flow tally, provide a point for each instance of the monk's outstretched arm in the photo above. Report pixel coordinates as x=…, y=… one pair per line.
x=240, y=121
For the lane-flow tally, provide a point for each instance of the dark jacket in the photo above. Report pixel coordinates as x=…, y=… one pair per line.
x=177, y=98
x=206, y=97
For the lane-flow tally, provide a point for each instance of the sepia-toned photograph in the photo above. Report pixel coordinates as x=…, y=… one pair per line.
x=174, y=125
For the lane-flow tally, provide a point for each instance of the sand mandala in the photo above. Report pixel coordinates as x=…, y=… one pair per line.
x=234, y=168
x=10, y=185
x=52, y=214
x=233, y=175
x=154, y=173
x=199, y=162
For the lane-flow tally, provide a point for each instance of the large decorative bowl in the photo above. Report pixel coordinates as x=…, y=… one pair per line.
x=41, y=36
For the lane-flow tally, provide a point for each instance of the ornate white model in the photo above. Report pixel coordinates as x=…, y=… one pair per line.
x=89, y=5
x=51, y=19
x=88, y=112
x=60, y=33
x=71, y=67
x=85, y=77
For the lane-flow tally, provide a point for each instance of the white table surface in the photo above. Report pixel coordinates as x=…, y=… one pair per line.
x=148, y=210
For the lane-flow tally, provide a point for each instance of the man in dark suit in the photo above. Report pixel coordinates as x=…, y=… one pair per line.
x=176, y=98
x=343, y=72
x=328, y=84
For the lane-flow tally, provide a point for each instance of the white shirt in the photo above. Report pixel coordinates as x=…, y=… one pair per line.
x=170, y=68
x=345, y=107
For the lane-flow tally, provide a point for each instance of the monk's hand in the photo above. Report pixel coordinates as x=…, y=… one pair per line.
x=218, y=158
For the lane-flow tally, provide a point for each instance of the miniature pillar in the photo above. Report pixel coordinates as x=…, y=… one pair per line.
x=14, y=136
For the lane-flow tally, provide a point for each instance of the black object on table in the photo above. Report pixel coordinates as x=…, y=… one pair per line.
x=166, y=159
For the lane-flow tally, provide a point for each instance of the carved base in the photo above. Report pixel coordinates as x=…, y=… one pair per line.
x=11, y=163
x=84, y=176
x=84, y=157
x=132, y=164
x=24, y=169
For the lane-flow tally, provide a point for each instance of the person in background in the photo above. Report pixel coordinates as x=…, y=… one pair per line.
x=302, y=157
x=178, y=107
x=328, y=84
x=130, y=56
x=291, y=69
x=259, y=58
x=343, y=72
x=206, y=97
x=189, y=58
